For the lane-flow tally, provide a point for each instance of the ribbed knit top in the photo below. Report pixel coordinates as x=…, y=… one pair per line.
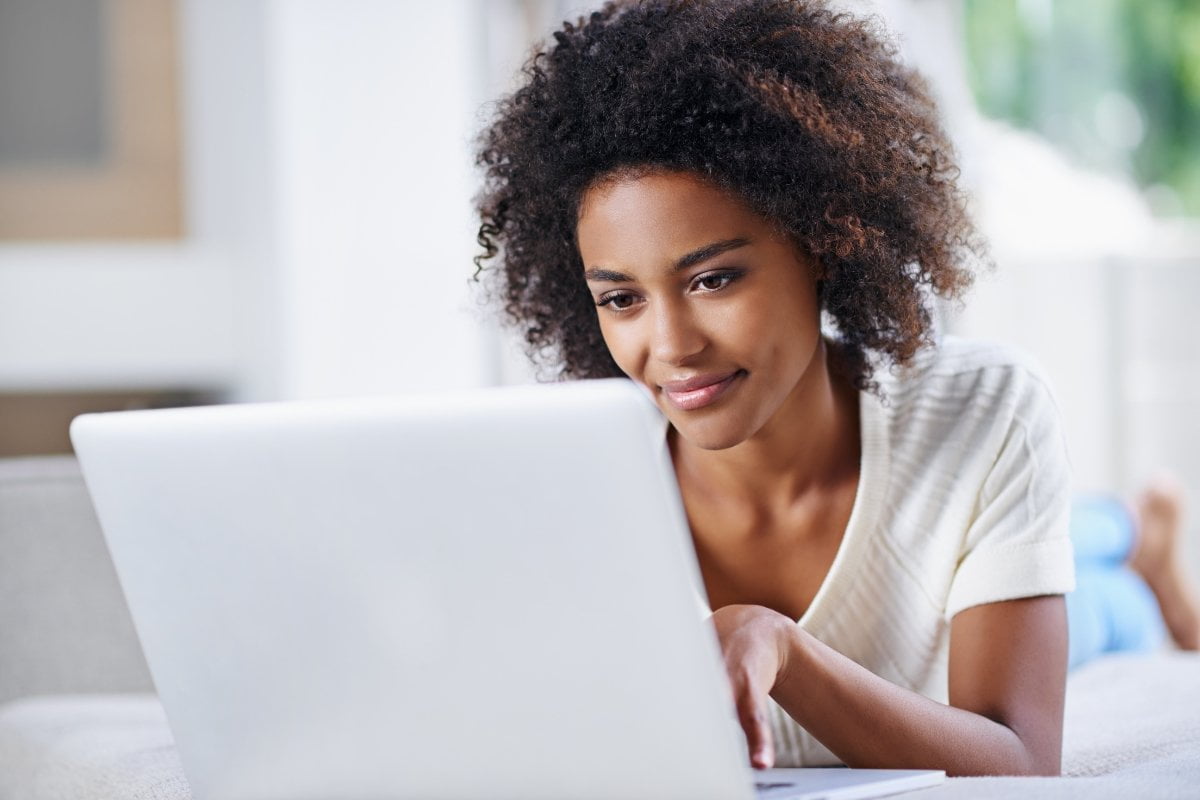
x=963, y=499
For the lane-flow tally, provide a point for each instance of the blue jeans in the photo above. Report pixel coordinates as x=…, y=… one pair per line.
x=1111, y=609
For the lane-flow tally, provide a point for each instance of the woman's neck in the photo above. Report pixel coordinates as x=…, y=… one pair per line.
x=811, y=443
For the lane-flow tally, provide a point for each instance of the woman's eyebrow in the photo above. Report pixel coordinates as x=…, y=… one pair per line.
x=608, y=275
x=710, y=251
x=693, y=258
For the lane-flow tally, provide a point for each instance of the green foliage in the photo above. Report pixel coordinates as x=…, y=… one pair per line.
x=1115, y=83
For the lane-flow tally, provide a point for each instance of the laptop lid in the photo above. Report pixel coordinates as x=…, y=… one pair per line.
x=485, y=594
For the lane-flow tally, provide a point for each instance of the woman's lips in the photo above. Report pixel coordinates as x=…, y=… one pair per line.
x=698, y=392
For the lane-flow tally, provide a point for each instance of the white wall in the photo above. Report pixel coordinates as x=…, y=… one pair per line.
x=371, y=132
x=114, y=316
x=328, y=174
x=230, y=177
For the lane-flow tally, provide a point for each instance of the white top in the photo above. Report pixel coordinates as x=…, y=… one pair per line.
x=963, y=499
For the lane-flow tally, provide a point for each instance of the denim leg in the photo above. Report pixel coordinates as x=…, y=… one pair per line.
x=1111, y=609
x=1102, y=530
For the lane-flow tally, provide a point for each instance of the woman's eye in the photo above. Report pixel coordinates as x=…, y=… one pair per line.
x=618, y=301
x=714, y=281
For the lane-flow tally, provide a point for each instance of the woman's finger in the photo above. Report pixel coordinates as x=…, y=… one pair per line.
x=752, y=715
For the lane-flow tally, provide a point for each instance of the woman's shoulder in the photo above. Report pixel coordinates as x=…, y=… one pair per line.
x=969, y=397
x=958, y=375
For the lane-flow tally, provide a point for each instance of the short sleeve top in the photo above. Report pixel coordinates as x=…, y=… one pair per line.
x=963, y=499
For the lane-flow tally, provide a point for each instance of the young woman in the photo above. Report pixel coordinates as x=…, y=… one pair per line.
x=747, y=207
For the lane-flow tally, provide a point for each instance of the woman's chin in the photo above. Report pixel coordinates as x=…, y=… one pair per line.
x=707, y=434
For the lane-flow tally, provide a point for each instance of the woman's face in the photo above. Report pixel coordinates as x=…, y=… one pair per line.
x=701, y=300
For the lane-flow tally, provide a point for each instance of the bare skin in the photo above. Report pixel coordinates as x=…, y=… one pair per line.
x=1007, y=687
x=1158, y=557
x=716, y=314
x=775, y=554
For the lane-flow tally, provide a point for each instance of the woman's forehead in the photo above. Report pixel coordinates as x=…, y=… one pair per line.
x=660, y=217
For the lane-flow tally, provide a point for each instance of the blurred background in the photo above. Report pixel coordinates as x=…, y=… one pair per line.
x=242, y=200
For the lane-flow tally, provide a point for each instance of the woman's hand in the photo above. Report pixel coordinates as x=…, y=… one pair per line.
x=754, y=642
x=1007, y=679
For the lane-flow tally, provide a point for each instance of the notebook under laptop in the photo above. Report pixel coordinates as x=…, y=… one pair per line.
x=481, y=595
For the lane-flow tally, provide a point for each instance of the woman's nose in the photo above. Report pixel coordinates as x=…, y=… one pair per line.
x=676, y=337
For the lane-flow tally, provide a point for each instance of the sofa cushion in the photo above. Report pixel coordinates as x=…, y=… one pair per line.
x=88, y=747
x=64, y=625
x=1124, y=711
x=1132, y=729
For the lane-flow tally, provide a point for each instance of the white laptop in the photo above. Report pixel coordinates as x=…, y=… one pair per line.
x=490, y=594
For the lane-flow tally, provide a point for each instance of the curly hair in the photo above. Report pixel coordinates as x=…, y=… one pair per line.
x=805, y=114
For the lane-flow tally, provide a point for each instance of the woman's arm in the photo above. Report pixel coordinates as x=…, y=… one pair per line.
x=1008, y=665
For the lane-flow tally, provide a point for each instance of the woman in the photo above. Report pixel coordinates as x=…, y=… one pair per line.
x=682, y=193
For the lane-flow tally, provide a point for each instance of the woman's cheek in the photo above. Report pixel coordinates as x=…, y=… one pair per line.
x=621, y=348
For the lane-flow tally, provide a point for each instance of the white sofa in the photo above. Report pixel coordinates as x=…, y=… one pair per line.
x=78, y=718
